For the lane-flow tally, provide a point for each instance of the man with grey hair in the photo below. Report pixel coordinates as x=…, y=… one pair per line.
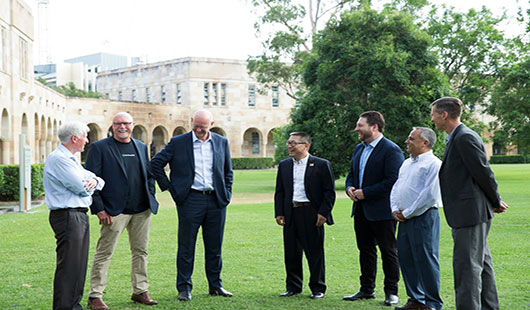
x=69, y=188
x=414, y=200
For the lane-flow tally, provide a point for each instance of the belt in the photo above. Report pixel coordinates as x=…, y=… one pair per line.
x=297, y=204
x=84, y=210
x=203, y=192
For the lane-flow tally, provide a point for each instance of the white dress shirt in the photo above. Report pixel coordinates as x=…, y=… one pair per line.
x=417, y=188
x=63, y=179
x=299, y=167
x=203, y=158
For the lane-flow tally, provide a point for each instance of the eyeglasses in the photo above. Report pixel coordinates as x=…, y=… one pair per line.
x=293, y=143
x=121, y=123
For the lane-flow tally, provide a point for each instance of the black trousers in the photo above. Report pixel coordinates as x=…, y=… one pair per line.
x=303, y=236
x=200, y=210
x=383, y=234
x=72, y=237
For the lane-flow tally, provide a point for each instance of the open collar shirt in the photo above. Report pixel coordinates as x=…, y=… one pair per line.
x=417, y=188
x=203, y=159
x=63, y=178
x=366, y=152
x=299, y=167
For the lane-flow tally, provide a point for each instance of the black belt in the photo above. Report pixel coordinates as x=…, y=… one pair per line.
x=297, y=204
x=84, y=210
x=203, y=192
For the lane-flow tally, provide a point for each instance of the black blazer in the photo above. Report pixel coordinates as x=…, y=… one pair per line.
x=179, y=154
x=319, y=185
x=380, y=174
x=469, y=189
x=105, y=161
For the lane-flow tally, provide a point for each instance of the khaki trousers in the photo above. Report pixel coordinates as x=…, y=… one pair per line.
x=138, y=228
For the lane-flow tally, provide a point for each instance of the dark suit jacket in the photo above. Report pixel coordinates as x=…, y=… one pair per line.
x=179, y=154
x=319, y=185
x=105, y=161
x=469, y=189
x=380, y=174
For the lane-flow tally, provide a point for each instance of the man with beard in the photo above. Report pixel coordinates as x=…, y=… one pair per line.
x=126, y=202
x=373, y=171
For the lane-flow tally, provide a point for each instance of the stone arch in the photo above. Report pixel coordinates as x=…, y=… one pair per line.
x=110, y=133
x=93, y=136
x=178, y=131
x=219, y=131
x=252, y=141
x=49, y=136
x=24, y=127
x=140, y=133
x=42, y=140
x=270, y=147
x=36, y=133
x=5, y=132
x=159, y=139
x=55, y=139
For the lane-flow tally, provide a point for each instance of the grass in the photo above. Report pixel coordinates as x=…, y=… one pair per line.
x=253, y=255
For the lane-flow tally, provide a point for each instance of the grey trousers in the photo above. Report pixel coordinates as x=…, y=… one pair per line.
x=475, y=286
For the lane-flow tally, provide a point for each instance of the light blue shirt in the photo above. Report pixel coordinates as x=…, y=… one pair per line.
x=203, y=158
x=63, y=179
x=451, y=134
x=367, y=150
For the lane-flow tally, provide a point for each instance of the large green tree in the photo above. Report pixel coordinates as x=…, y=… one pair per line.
x=366, y=60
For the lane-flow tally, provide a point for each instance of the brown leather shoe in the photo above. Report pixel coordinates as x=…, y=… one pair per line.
x=97, y=304
x=412, y=305
x=144, y=298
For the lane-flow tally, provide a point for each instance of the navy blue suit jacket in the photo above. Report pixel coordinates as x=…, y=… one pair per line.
x=179, y=155
x=380, y=174
x=319, y=185
x=105, y=161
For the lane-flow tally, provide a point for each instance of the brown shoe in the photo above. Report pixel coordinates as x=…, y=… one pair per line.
x=144, y=298
x=412, y=305
x=97, y=304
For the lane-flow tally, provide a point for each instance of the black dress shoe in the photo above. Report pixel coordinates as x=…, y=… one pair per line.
x=391, y=299
x=220, y=292
x=185, y=295
x=412, y=305
x=359, y=295
x=289, y=294
x=317, y=295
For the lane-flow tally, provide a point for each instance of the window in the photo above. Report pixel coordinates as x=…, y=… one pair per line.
x=206, y=93
x=255, y=143
x=163, y=94
x=147, y=95
x=214, y=94
x=133, y=95
x=223, y=94
x=3, y=50
x=120, y=95
x=179, y=94
x=251, y=95
x=275, y=96
x=23, y=58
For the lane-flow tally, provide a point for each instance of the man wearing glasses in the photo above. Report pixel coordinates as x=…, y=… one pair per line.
x=126, y=202
x=304, y=197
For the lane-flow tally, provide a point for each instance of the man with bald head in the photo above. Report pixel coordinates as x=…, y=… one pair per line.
x=200, y=183
x=126, y=202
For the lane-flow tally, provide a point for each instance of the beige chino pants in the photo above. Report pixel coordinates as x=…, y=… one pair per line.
x=138, y=228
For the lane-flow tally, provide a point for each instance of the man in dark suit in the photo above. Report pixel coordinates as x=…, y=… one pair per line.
x=374, y=170
x=201, y=185
x=126, y=202
x=469, y=195
x=304, y=197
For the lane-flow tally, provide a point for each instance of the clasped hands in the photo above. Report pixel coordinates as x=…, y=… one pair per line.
x=355, y=194
x=280, y=220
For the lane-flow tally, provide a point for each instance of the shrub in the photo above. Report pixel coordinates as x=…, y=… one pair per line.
x=252, y=162
x=9, y=190
x=509, y=159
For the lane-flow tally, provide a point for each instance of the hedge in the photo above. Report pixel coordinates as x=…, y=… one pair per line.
x=509, y=159
x=252, y=162
x=9, y=190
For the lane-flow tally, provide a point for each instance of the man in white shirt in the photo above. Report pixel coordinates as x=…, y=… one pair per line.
x=414, y=200
x=69, y=188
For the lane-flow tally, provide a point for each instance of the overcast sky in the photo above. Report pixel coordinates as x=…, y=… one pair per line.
x=167, y=29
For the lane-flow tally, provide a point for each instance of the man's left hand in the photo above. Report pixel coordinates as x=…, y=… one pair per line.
x=90, y=184
x=502, y=208
x=358, y=193
x=320, y=220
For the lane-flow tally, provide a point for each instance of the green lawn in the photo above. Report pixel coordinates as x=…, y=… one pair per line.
x=253, y=256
